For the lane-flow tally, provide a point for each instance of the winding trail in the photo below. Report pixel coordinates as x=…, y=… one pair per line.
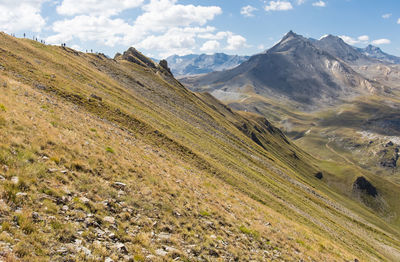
x=336, y=153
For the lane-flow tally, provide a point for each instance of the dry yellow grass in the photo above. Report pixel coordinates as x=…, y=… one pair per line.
x=196, y=185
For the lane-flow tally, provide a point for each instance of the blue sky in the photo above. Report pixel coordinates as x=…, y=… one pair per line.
x=163, y=27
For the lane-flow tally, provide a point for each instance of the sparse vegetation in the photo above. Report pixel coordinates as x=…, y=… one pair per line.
x=170, y=185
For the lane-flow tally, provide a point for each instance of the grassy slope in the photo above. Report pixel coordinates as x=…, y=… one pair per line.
x=183, y=156
x=333, y=136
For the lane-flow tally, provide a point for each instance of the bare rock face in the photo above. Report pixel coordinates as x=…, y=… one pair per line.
x=164, y=64
x=134, y=56
x=363, y=185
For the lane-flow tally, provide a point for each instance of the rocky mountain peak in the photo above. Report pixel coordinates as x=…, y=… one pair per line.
x=290, y=42
x=374, y=49
x=134, y=56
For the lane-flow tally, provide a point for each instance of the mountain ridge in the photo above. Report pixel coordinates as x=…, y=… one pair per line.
x=204, y=63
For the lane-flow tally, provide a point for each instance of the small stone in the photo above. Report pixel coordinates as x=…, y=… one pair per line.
x=64, y=171
x=15, y=180
x=65, y=208
x=119, y=185
x=62, y=250
x=213, y=253
x=161, y=252
x=2, y=177
x=164, y=236
x=86, y=251
x=176, y=213
x=121, y=248
x=109, y=219
x=52, y=170
x=84, y=200
x=35, y=216
x=21, y=194
x=108, y=259
x=171, y=249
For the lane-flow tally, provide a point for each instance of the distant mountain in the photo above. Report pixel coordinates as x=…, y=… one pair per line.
x=202, y=64
x=296, y=69
x=338, y=48
x=377, y=53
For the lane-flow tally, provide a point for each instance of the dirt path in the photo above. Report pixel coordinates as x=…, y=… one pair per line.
x=339, y=155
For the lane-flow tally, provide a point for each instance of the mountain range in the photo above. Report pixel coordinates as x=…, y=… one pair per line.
x=202, y=64
x=292, y=70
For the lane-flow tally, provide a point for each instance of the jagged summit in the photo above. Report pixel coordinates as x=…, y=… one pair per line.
x=134, y=56
x=338, y=48
x=371, y=48
x=377, y=53
x=289, y=35
x=291, y=42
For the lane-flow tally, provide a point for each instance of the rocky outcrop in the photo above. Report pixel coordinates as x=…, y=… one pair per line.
x=164, y=64
x=363, y=185
x=134, y=56
x=319, y=175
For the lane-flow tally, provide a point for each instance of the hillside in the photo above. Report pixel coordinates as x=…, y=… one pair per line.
x=115, y=160
x=202, y=64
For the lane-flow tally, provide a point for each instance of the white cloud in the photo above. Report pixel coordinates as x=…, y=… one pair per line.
x=163, y=14
x=261, y=47
x=21, y=15
x=398, y=21
x=319, y=4
x=300, y=2
x=363, y=38
x=235, y=42
x=210, y=46
x=382, y=41
x=386, y=16
x=216, y=36
x=248, y=10
x=353, y=41
x=101, y=29
x=164, y=26
x=96, y=7
x=278, y=6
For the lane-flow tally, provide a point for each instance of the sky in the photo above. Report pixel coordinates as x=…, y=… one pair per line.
x=160, y=28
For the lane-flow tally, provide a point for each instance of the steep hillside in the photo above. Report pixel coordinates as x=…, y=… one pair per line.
x=290, y=71
x=202, y=64
x=108, y=159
